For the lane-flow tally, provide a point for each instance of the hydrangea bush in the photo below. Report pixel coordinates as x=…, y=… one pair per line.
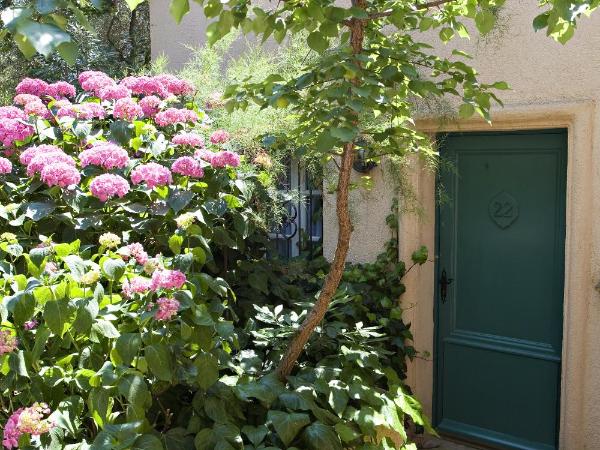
x=138, y=310
x=118, y=202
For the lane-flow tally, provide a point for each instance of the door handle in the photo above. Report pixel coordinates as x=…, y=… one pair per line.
x=444, y=283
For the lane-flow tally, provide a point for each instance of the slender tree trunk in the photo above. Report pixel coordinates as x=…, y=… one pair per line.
x=332, y=281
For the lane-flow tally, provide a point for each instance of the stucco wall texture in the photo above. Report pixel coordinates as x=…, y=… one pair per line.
x=552, y=86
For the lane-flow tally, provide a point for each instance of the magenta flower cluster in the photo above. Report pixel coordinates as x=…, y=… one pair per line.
x=167, y=279
x=127, y=109
x=152, y=174
x=219, y=159
x=219, y=137
x=172, y=116
x=188, y=166
x=106, y=155
x=60, y=174
x=107, y=186
x=191, y=139
x=13, y=126
x=39, y=88
x=30, y=420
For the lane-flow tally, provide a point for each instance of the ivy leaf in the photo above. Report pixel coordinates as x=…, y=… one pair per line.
x=159, y=361
x=179, y=8
x=319, y=436
x=288, y=425
x=255, y=434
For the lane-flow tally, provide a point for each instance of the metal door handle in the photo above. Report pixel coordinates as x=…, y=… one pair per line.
x=444, y=283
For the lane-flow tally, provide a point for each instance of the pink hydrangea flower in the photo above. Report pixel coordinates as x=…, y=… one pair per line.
x=30, y=325
x=29, y=420
x=191, y=139
x=23, y=99
x=188, y=166
x=174, y=85
x=145, y=86
x=137, y=285
x=93, y=81
x=107, y=186
x=8, y=342
x=27, y=155
x=42, y=159
x=153, y=174
x=60, y=89
x=32, y=86
x=90, y=110
x=225, y=158
x=167, y=308
x=173, y=116
x=114, y=92
x=12, y=112
x=219, y=137
x=5, y=166
x=150, y=105
x=60, y=174
x=205, y=155
x=137, y=251
x=168, y=279
x=37, y=108
x=127, y=109
x=106, y=155
x=12, y=130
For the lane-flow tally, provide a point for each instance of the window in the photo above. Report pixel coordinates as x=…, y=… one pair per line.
x=301, y=231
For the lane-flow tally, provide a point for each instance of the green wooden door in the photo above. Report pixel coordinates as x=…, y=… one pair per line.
x=501, y=232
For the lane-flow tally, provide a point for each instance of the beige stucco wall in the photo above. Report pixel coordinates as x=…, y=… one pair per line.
x=553, y=86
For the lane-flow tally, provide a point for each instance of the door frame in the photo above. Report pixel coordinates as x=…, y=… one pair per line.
x=577, y=398
x=437, y=363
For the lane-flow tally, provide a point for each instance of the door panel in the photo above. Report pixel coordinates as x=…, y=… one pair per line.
x=499, y=330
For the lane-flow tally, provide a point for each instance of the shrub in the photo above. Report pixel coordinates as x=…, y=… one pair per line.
x=138, y=310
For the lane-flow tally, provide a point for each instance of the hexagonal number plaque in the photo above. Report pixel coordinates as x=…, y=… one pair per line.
x=503, y=209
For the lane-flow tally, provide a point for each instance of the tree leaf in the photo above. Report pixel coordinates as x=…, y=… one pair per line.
x=288, y=425
x=179, y=8
x=317, y=41
x=485, y=20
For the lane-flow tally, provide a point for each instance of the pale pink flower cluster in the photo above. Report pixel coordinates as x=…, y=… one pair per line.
x=42, y=159
x=60, y=174
x=37, y=108
x=219, y=137
x=28, y=154
x=174, y=85
x=137, y=251
x=127, y=109
x=219, y=159
x=93, y=81
x=12, y=125
x=150, y=105
x=39, y=88
x=188, y=166
x=107, y=186
x=137, y=285
x=167, y=279
x=30, y=325
x=114, y=92
x=85, y=111
x=191, y=139
x=167, y=308
x=153, y=174
x=172, y=116
x=106, y=155
x=145, y=86
x=8, y=342
x=5, y=166
x=23, y=99
x=29, y=420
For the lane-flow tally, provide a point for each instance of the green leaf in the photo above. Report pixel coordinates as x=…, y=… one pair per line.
x=113, y=269
x=134, y=389
x=317, y=42
x=23, y=309
x=106, y=329
x=179, y=8
x=128, y=346
x=121, y=131
x=255, y=434
x=45, y=6
x=16, y=363
x=541, y=21
x=175, y=243
x=147, y=442
x=485, y=20
x=319, y=436
x=58, y=315
x=159, y=361
x=99, y=403
x=134, y=3
x=208, y=370
x=69, y=52
x=466, y=110
x=179, y=199
x=288, y=425
x=420, y=256
x=42, y=36
x=87, y=310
